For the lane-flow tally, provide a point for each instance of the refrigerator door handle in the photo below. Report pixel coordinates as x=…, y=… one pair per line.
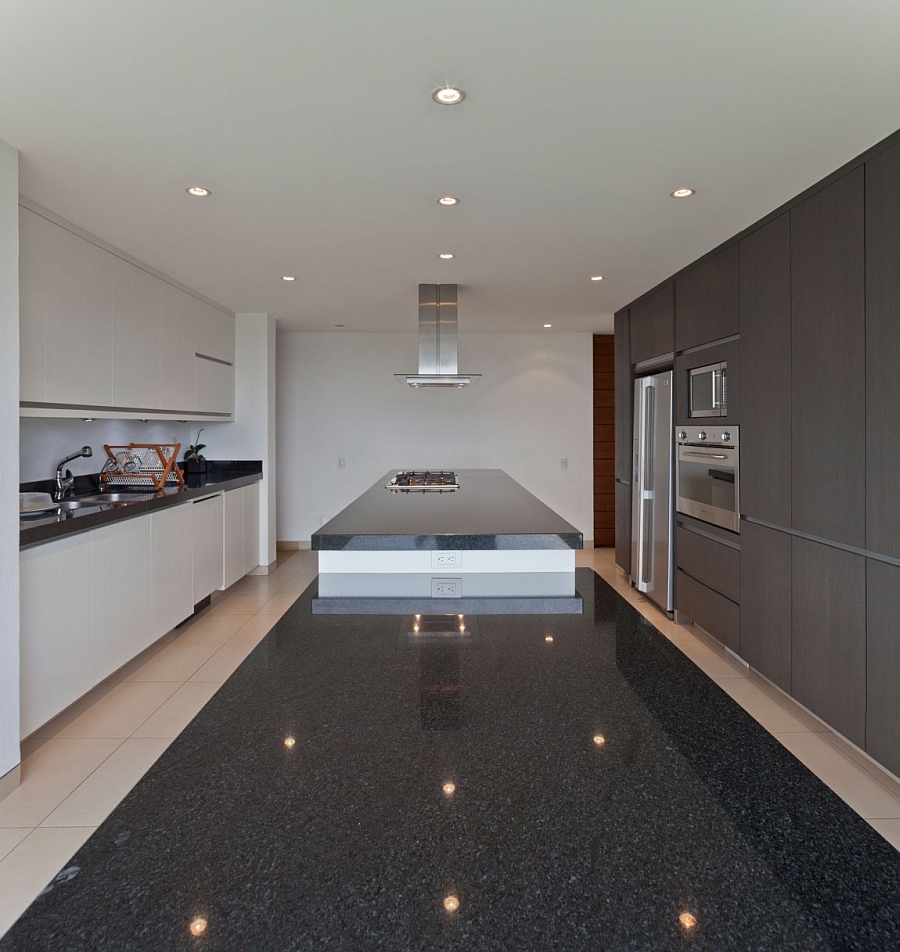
x=645, y=541
x=649, y=405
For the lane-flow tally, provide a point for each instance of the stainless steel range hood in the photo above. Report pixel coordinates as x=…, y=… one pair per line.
x=437, y=340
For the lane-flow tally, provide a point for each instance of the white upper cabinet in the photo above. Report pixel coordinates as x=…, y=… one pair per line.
x=177, y=346
x=136, y=337
x=33, y=306
x=215, y=333
x=98, y=332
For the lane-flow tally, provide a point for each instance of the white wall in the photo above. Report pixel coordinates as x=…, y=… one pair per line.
x=337, y=398
x=44, y=442
x=252, y=434
x=9, y=463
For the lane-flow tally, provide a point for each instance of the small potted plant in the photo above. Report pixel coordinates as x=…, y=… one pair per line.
x=194, y=460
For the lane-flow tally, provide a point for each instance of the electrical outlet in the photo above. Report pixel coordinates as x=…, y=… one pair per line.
x=440, y=559
x=342, y=463
x=564, y=463
x=446, y=588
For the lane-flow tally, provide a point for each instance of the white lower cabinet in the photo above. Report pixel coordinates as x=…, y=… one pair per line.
x=122, y=606
x=91, y=602
x=56, y=628
x=171, y=567
x=251, y=527
x=233, y=534
x=208, y=519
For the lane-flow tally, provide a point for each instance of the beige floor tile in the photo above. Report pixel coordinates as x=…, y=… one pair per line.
x=214, y=629
x=32, y=864
x=49, y=776
x=136, y=663
x=278, y=604
x=10, y=839
x=223, y=663
x=246, y=604
x=181, y=708
x=175, y=663
x=253, y=632
x=850, y=782
x=298, y=584
x=117, y=711
x=712, y=661
x=100, y=793
x=889, y=829
x=773, y=713
x=251, y=584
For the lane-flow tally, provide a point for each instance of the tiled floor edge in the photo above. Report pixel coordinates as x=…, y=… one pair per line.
x=10, y=781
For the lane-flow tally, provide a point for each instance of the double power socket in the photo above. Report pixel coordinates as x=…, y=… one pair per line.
x=446, y=587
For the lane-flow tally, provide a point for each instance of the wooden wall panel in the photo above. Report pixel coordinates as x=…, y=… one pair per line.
x=604, y=441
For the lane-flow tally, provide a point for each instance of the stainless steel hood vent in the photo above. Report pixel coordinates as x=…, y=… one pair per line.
x=437, y=340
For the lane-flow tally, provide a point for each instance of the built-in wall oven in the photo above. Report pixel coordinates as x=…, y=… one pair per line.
x=707, y=474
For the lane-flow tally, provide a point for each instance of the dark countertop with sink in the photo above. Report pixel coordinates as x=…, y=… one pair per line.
x=490, y=510
x=45, y=527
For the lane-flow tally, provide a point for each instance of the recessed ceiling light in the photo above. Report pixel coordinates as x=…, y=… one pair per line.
x=448, y=200
x=596, y=277
x=198, y=925
x=340, y=325
x=548, y=325
x=451, y=903
x=448, y=95
x=288, y=277
x=682, y=193
x=446, y=255
x=198, y=191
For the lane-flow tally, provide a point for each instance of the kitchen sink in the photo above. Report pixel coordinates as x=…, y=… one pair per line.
x=75, y=503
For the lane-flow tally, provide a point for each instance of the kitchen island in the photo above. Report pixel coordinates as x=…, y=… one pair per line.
x=484, y=545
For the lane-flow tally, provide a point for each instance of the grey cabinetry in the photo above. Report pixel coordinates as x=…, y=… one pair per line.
x=828, y=621
x=708, y=581
x=624, y=397
x=766, y=374
x=883, y=663
x=766, y=605
x=652, y=322
x=883, y=352
x=828, y=347
x=706, y=301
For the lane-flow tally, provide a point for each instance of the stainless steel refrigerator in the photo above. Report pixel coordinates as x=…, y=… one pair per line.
x=652, y=569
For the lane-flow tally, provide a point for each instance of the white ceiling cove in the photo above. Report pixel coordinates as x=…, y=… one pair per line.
x=312, y=123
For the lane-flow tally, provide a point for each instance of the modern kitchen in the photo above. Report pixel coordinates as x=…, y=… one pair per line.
x=313, y=643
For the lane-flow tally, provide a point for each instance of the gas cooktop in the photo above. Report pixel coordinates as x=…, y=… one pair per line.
x=423, y=481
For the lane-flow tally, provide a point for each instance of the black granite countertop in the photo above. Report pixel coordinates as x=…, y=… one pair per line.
x=490, y=510
x=573, y=783
x=221, y=475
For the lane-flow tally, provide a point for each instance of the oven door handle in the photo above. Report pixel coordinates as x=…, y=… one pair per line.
x=705, y=455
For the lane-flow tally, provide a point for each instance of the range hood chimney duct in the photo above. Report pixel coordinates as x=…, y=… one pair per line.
x=437, y=340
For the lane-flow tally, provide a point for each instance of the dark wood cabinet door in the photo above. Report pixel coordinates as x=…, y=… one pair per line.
x=706, y=301
x=828, y=644
x=624, y=396
x=766, y=373
x=766, y=602
x=653, y=325
x=828, y=347
x=623, y=526
x=883, y=352
x=883, y=664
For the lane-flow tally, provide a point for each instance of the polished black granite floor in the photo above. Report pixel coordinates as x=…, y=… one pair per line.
x=347, y=840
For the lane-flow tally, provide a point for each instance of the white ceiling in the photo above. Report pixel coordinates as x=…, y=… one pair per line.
x=313, y=124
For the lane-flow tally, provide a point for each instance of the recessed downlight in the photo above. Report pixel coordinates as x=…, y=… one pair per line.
x=198, y=191
x=448, y=95
x=548, y=325
x=682, y=193
x=446, y=255
x=288, y=277
x=596, y=277
x=447, y=200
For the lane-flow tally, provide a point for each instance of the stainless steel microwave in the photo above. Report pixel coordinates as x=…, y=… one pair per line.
x=708, y=391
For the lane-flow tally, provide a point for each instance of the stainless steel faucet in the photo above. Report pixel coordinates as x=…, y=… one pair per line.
x=65, y=483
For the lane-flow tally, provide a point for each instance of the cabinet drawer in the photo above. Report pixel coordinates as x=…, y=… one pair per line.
x=711, y=562
x=710, y=610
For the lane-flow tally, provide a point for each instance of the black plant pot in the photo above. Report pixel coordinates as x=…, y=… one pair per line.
x=195, y=467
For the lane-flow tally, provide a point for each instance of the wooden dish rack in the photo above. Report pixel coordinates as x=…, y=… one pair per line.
x=151, y=465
